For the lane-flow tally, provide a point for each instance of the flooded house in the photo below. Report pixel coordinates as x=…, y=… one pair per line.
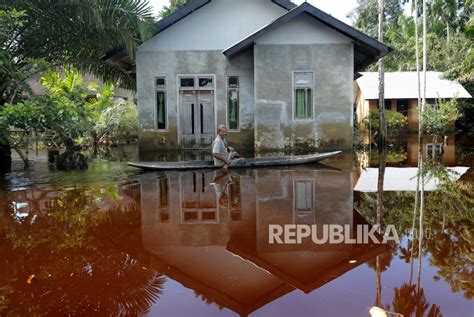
x=401, y=94
x=280, y=76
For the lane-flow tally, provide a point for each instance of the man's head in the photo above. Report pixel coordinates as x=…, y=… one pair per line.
x=222, y=131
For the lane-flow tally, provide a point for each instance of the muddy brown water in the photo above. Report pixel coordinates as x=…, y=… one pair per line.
x=115, y=241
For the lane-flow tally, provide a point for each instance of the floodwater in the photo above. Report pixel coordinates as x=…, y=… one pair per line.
x=115, y=241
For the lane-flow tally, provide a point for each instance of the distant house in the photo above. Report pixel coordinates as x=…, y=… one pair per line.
x=280, y=76
x=401, y=94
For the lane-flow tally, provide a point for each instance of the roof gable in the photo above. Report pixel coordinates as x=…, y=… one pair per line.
x=195, y=5
x=366, y=49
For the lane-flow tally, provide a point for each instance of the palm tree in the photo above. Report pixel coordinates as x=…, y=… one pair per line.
x=39, y=34
x=79, y=33
x=446, y=11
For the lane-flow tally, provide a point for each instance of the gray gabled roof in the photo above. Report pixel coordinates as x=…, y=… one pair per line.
x=366, y=49
x=195, y=5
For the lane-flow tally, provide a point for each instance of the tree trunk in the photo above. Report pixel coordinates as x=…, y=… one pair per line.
x=71, y=159
x=420, y=146
x=447, y=32
x=422, y=194
x=382, y=122
x=5, y=155
x=383, y=127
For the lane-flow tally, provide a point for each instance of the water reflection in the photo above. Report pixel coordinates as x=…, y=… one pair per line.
x=403, y=151
x=84, y=262
x=214, y=237
x=119, y=247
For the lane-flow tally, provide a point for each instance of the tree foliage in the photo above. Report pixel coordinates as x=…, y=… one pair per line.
x=395, y=121
x=449, y=40
x=173, y=7
x=448, y=216
x=437, y=116
x=73, y=32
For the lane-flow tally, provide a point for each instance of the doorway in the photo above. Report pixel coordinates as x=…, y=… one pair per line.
x=196, y=112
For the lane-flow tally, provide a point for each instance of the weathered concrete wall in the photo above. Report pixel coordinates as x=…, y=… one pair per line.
x=152, y=64
x=332, y=123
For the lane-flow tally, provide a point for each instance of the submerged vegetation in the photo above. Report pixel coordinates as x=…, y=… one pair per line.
x=71, y=110
x=41, y=36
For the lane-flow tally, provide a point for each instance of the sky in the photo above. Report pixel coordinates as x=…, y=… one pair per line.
x=337, y=8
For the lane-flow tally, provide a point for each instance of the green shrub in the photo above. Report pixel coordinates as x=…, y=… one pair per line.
x=395, y=121
x=436, y=117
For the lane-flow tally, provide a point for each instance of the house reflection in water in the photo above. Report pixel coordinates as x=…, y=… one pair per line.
x=444, y=149
x=209, y=231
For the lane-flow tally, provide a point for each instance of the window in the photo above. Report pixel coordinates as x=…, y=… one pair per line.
x=163, y=194
x=235, y=198
x=206, y=82
x=193, y=82
x=402, y=107
x=160, y=83
x=388, y=104
x=303, y=201
x=160, y=87
x=303, y=94
x=186, y=82
x=233, y=103
x=434, y=149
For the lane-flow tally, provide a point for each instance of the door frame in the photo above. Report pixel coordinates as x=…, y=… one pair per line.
x=178, y=100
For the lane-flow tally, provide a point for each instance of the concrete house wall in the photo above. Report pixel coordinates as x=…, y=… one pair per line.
x=194, y=46
x=303, y=45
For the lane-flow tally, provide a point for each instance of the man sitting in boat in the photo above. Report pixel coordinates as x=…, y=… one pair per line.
x=223, y=155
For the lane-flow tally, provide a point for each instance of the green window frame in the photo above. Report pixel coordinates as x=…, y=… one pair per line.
x=161, y=104
x=233, y=103
x=303, y=82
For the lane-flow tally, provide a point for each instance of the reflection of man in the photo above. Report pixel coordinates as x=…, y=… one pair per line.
x=222, y=154
x=221, y=179
x=227, y=188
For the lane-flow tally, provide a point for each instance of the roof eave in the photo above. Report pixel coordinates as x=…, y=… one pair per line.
x=285, y=4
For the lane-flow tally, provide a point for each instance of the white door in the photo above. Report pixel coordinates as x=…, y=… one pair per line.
x=196, y=118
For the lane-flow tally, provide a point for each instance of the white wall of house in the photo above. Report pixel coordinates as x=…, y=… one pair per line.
x=303, y=30
x=216, y=26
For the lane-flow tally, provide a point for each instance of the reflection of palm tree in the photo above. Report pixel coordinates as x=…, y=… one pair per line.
x=95, y=267
x=409, y=301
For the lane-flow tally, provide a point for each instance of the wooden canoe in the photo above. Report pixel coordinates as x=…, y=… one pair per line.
x=248, y=163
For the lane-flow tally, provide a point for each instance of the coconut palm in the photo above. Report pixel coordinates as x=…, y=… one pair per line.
x=78, y=33
x=446, y=11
